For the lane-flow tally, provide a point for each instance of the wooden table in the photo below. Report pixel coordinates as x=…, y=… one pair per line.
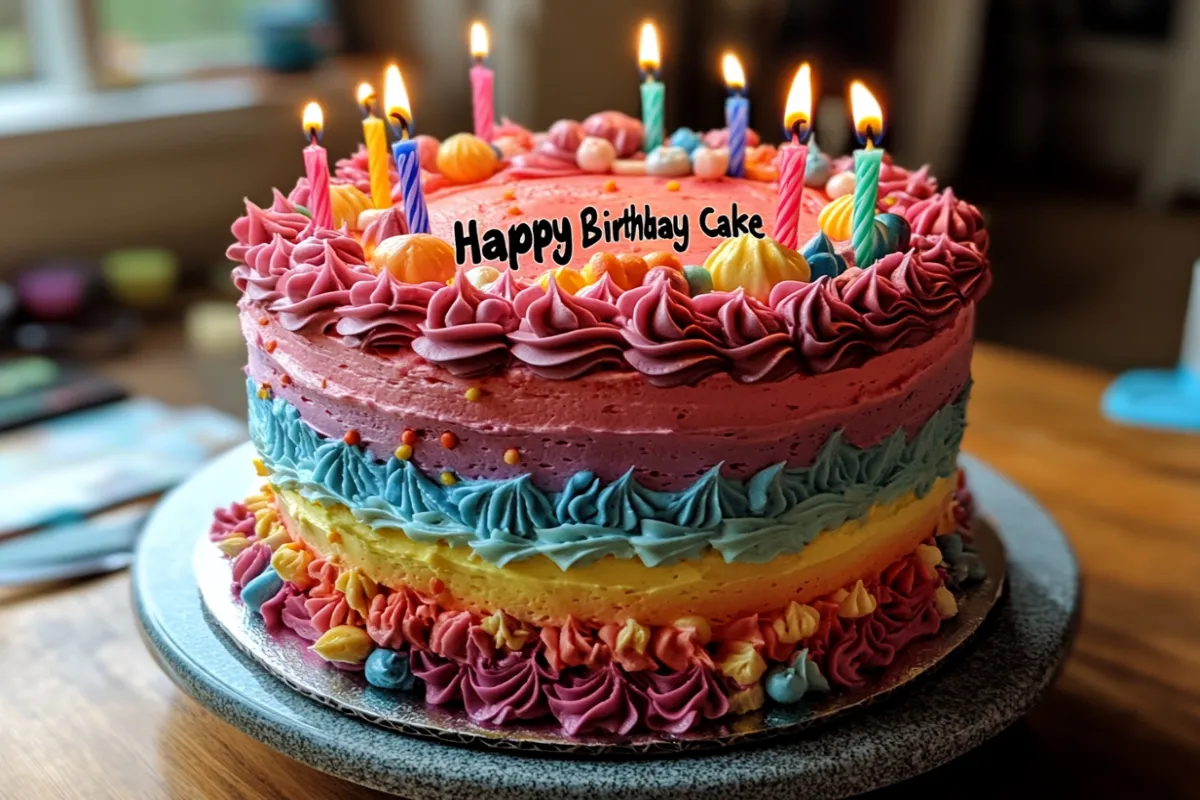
x=85, y=712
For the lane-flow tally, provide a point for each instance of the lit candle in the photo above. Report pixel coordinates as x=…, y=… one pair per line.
x=653, y=91
x=316, y=165
x=482, y=97
x=868, y=125
x=375, y=136
x=408, y=162
x=793, y=157
x=737, y=114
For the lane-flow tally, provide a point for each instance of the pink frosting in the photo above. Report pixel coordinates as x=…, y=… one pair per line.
x=465, y=330
x=272, y=611
x=680, y=701
x=553, y=156
x=629, y=659
x=249, y=564
x=401, y=618
x=383, y=315
x=598, y=700
x=625, y=132
x=671, y=342
x=443, y=679
x=264, y=265
x=904, y=187
x=260, y=226
x=294, y=615
x=508, y=286
x=562, y=140
x=455, y=635
x=719, y=137
x=562, y=337
x=968, y=266
x=319, y=283
x=945, y=213
x=330, y=611
x=511, y=687
x=757, y=346
x=236, y=520
x=605, y=289
x=510, y=129
x=678, y=648
x=391, y=222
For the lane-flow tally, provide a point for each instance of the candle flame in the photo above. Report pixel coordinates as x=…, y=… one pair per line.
x=797, y=112
x=313, y=121
x=365, y=95
x=867, y=113
x=479, y=40
x=735, y=76
x=395, y=98
x=649, y=57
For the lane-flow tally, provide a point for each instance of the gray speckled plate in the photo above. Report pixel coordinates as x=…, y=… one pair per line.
x=996, y=680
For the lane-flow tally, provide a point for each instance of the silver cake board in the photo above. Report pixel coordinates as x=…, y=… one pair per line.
x=977, y=693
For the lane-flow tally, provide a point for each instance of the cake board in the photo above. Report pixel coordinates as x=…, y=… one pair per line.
x=993, y=683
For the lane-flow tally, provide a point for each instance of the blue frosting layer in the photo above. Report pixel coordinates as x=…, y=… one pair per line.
x=779, y=510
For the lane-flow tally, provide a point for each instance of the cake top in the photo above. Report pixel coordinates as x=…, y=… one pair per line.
x=574, y=252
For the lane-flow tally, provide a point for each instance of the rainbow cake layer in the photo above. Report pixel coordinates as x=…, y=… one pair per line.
x=652, y=489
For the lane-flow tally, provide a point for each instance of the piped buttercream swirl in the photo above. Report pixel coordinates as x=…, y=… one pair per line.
x=756, y=345
x=671, y=343
x=945, y=213
x=319, y=283
x=562, y=337
x=465, y=329
x=384, y=315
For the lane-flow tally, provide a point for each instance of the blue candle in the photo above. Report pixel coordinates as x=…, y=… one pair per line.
x=737, y=114
x=408, y=161
x=653, y=91
x=868, y=125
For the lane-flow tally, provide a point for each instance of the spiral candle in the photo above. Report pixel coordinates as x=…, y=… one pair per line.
x=377, y=162
x=867, y=163
x=408, y=163
x=792, y=160
x=482, y=101
x=737, y=119
x=653, y=95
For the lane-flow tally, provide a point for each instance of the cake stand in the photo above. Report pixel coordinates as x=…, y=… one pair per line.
x=980, y=692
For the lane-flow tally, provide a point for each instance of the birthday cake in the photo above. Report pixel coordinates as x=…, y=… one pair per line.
x=606, y=444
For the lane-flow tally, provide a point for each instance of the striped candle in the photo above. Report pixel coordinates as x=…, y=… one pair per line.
x=408, y=162
x=482, y=80
x=866, y=195
x=316, y=166
x=737, y=119
x=653, y=91
x=792, y=160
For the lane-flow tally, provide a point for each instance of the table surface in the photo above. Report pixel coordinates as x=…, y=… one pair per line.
x=87, y=713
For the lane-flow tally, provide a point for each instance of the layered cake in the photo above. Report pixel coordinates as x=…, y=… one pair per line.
x=642, y=479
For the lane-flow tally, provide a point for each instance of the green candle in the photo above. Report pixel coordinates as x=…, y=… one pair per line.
x=868, y=124
x=653, y=91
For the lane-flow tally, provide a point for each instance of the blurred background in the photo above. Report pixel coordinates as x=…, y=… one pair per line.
x=130, y=131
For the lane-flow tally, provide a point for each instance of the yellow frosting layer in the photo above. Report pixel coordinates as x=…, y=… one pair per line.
x=538, y=592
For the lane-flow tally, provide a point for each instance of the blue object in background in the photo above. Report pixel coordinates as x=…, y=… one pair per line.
x=1163, y=398
x=292, y=35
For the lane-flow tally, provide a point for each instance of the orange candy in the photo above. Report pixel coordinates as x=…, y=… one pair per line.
x=352, y=437
x=448, y=440
x=601, y=264
x=409, y=437
x=664, y=258
x=635, y=269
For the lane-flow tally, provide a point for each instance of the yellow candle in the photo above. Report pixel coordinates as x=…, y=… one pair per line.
x=375, y=135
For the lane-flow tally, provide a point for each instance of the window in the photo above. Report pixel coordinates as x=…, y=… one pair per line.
x=16, y=61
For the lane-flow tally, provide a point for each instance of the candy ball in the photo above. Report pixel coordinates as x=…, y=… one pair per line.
x=673, y=277
x=595, y=154
x=465, y=158
x=427, y=152
x=817, y=169
x=635, y=268
x=601, y=264
x=897, y=232
x=483, y=276
x=347, y=202
x=664, y=258
x=840, y=185
x=710, y=163
x=698, y=279
x=629, y=166
x=415, y=258
x=686, y=139
x=668, y=162
x=569, y=280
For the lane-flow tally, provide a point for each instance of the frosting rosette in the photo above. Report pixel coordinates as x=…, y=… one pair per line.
x=384, y=315
x=508, y=286
x=554, y=154
x=680, y=701
x=513, y=686
x=826, y=331
x=261, y=225
x=904, y=298
x=945, y=213
x=263, y=265
x=597, y=700
x=757, y=345
x=900, y=188
x=388, y=223
x=670, y=342
x=968, y=266
x=319, y=283
x=466, y=329
x=562, y=337
x=605, y=289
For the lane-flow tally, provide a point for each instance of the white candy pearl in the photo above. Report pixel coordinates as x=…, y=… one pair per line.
x=710, y=163
x=668, y=162
x=629, y=166
x=481, y=277
x=595, y=154
x=840, y=184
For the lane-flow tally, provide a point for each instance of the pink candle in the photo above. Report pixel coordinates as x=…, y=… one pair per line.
x=316, y=165
x=792, y=160
x=482, y=99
